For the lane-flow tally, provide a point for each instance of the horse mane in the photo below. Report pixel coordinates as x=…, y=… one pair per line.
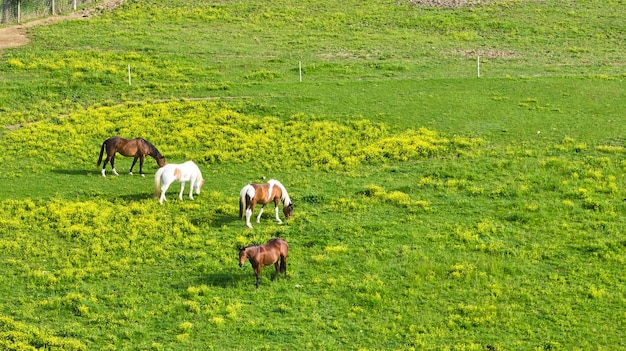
x=285, y=196
x=153, y=150
x=257, y=246
x=199, y=176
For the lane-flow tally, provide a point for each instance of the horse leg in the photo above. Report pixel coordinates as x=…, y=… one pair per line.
x=103, y=171
x=283, y=265
x=276, y=213
x=164, y=188
x=182, y=188
x=113, y=165
x=191, y=185
x=276, y=267
x=258, y=218
x=257, y=273
x=248, y=215
x=104, y=165
x=141, y=158
x=133, y=165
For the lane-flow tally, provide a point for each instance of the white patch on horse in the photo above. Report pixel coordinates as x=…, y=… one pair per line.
x=271, y=186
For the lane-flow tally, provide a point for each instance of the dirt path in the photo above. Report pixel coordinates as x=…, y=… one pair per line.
x=17, y=35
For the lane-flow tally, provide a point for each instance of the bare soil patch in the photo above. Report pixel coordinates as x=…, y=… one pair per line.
x=490, y=54
x=448, y=3
x=17, y=35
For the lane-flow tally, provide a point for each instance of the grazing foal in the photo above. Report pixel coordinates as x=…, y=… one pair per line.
x=264, y=255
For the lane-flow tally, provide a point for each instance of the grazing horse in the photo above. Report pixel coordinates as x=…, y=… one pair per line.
x=263, y=194
x=184, y=172
x=137, y=148
x=264, y=255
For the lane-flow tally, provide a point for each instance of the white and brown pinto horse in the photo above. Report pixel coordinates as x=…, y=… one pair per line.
x=184, y=172
x=272, y=191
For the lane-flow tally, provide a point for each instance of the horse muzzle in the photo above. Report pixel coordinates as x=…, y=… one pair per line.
x=240, y=264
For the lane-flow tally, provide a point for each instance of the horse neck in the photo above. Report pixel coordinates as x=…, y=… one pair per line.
x=252, y=252
x=152, y=150
x=284, y=197
x=196, y=174
x=155, y=153
x=199, y=178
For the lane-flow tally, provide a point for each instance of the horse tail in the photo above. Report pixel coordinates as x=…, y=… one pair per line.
x=283, y=258
x=157, y=180
x=245, y=191
x=101, y=153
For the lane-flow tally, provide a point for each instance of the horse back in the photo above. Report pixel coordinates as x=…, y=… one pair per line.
x=112, y=143
x=266, y=193
x=279, y=245
x=114, y=140
x=146, y=147
x=264, y=255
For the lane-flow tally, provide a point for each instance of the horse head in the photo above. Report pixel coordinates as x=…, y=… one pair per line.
x=198, y=185
x=288, y=210
x=160, y=161
x=242, y=256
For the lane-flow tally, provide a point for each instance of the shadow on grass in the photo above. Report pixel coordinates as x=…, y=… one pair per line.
x=228, y=219
x=135, y=197
x=96, y=172
x=217, y=220
x=77, y=172
x=231, y=278
x=224, y=279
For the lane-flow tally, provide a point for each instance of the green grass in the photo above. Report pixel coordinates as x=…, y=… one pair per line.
x=433, y=210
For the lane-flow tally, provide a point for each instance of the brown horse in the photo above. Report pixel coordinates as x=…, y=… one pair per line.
x=264, y=255
x=137, y=148
x=272, y=191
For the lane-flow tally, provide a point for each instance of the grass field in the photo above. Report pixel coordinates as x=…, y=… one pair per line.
x=434, y=210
